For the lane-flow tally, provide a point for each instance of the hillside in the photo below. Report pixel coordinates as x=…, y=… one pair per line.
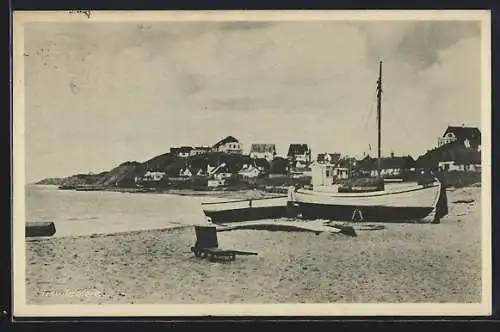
x=121, y=176
x=80, y=180
x=124, y=175
x=51, y=181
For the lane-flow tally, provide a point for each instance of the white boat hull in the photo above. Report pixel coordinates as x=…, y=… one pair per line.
x=424, y=203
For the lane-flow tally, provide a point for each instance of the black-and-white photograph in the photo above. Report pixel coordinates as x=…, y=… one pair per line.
x=280, y=162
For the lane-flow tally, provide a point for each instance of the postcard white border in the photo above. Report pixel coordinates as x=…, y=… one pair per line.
x=21, y=309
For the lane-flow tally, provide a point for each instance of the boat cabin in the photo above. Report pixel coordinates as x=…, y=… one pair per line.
x=325, y=175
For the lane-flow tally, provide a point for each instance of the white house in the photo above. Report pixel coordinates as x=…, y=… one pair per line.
x=299, y=153
x=249, y=172
x=153, y=176
x=214, y=183
x=264, y=151
x=228, y=145
x=185, y=172
x=200, y=172
x=198, y=150
x=451, y=165
x=390, y=167
x=222, y=175
x=183, y=151
x=328, y=158
x=300, y=164
x=465, y=161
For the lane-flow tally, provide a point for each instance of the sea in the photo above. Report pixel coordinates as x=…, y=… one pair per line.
x=104, y=212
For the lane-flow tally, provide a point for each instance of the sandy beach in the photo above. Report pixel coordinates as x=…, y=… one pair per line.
x=401, y=263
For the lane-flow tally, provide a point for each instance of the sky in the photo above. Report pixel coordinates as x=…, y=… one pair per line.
x=99, y=94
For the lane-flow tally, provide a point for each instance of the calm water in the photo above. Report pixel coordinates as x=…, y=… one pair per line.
x=79, y=212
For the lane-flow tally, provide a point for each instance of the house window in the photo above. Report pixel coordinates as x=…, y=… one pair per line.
x=327, y=173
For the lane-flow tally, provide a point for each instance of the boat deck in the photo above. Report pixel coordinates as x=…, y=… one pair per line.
x=389, y=186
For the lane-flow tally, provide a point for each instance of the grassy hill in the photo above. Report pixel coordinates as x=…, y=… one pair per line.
x=51, y=181
x=121, y=176
x=124, y=175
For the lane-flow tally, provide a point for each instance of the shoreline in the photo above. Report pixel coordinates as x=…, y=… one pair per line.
x=230, y=193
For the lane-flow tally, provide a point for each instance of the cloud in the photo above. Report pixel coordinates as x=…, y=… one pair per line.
x=143, y=87
x=416, y=42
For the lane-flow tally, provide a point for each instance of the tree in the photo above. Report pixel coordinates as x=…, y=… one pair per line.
x=279, y=165
x=234, y=162
x=198, y=162
x=160, y=163
x=262, y=162
x=175, y=168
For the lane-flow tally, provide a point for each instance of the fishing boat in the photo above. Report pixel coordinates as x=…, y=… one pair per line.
x=374, y=201
x=245, y=209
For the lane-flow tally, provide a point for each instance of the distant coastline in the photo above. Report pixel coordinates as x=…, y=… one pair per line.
x=224, y=193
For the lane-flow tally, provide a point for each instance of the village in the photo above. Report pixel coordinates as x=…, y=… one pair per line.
x=225, y=164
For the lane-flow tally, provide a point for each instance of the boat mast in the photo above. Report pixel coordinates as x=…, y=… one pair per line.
x=379, y=118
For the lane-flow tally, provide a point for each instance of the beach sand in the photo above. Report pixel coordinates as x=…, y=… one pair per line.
x=401, y=263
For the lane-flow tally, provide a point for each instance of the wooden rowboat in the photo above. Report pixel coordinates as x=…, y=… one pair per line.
x=246, y=209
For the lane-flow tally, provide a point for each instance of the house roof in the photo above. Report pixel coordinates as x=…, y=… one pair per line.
x=454, y=151
x=263, y=148
x=296, y=149
x=182, y=149
x=388, y=162
x=249, y=169
x=228, y=139
x=201, y=148
x=334, y=157
x=462, y=133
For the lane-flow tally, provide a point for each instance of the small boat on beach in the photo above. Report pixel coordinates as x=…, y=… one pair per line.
x=368, y=199
x=245, y=209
